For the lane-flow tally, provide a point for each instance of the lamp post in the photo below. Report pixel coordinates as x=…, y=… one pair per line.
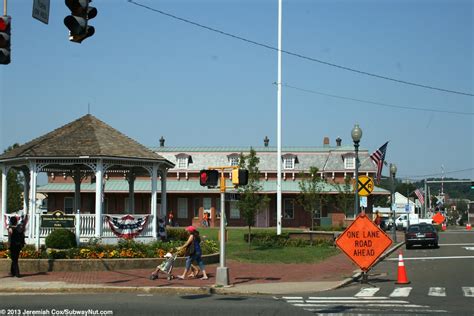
x=356, y=136
x=393, y=171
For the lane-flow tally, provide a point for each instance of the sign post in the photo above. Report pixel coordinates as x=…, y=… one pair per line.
x=363, y=242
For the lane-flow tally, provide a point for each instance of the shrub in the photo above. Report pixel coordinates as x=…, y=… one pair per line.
x=61, y=239
x=177, y=234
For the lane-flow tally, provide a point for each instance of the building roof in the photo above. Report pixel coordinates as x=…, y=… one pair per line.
x=180, y=186
x=86, y=136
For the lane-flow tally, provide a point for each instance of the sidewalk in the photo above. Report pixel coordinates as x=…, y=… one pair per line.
x=245, y=278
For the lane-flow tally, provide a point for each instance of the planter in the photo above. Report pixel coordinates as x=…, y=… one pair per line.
x=77, y=265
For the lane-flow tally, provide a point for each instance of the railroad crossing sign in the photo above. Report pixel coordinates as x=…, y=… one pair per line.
x=363, y=242
x=365, y=185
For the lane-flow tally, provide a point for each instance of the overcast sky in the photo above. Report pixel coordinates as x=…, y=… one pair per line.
x=150, y=75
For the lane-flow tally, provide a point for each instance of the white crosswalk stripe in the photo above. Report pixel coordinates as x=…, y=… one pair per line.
x=437, y=291
x=468, y=291
x=401, y=292
x=368, y=291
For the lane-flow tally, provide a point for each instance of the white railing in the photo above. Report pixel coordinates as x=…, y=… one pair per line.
x=87, y=227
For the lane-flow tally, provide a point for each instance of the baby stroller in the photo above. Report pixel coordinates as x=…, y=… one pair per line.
x=165, y=267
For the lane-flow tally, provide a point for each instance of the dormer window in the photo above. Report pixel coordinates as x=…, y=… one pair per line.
x=289, y=161
x=182, y=161
x=349, y=161
x=233, y=159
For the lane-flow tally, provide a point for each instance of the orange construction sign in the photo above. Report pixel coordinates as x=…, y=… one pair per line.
x=438, y=218
x=364, y=242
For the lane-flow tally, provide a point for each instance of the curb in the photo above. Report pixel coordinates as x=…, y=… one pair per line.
x=110, y=289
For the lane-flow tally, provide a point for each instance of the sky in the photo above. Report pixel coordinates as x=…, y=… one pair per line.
x=150, y=75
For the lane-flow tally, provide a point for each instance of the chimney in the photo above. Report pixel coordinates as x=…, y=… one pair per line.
x=338, y=142
x=162, y=142
x=266, y=141
x=326, y=141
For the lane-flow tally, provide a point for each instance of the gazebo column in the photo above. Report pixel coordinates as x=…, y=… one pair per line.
x=131, y=192
x=4, y=199
x=26, y=190
x=34, y=218
x=99, y=171
x=154, y=189
x=164, y=200
x=77, y=189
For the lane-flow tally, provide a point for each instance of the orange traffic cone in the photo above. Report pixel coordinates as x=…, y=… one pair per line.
x=468, y=226
x=402, y=274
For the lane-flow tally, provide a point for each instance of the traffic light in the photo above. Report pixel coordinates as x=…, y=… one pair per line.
x=5, y=32
x=77, y=22
x=208, y=178
x=240, y=177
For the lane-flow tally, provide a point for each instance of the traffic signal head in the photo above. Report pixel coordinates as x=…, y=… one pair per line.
x=240, y=177
x=472, y=185
x=77, y=22
x=5, y=32
x=208, y=178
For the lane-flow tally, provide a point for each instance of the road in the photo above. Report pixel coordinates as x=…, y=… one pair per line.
x=441, y=281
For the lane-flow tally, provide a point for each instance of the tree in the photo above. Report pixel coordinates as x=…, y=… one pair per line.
x=345, y=196
x=312, y=197
x=15, y=187
x=251, y=203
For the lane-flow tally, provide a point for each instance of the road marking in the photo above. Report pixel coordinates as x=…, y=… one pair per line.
x=401, y=292
x=368, y=291
x=469, y=248
x=347, y=298
x=468, y=291
x=462, y=244
x=144, y=294
x=437, y=291
x=370, y=305
x=292, y=297
x=356, y=301
x=432, y=258
x=377, y=311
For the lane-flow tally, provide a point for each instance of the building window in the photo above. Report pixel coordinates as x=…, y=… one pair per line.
x=234, y=210
x=106, y=206
x=68, y=205
x=183, y=162
x=289, y=209
x=206, y=204
x=234, y=160
x=182, y=208
x=289, y=163
x=349, y=163
x=218, y=207
x=196, y=206
x=127, y=205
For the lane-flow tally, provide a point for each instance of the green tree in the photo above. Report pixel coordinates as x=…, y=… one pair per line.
x=344, y=199
x=312, y=196
x=251, y=202
x=15, y=187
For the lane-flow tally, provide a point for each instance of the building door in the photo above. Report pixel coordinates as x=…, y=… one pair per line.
x=263, y=217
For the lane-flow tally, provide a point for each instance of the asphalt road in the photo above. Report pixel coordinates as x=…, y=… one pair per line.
x=441, y=282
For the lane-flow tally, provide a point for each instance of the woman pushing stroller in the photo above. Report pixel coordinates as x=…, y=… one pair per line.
x=193, y=253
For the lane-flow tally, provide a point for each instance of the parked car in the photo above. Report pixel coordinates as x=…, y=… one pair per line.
x=421, y=234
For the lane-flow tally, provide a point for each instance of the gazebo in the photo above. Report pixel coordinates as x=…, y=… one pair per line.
x=85, y=148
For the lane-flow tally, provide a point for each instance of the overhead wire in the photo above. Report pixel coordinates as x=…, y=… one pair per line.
x=376, y=103
x=300, y=55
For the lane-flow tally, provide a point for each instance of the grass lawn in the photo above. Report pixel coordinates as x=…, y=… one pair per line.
x=237, y=249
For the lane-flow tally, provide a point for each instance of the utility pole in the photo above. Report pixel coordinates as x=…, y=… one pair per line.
x=278, y=160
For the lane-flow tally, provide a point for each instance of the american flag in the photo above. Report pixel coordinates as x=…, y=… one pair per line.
x=378, y=157
x=419, y=194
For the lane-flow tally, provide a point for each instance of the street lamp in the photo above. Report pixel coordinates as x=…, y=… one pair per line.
x=356, y=136
x=393, y=171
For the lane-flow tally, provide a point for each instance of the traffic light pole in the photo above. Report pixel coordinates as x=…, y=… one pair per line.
x=4, y=7
x=222, y=272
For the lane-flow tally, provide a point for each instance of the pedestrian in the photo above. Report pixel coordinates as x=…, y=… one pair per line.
x=378, y=219
x=170, y=219
x=16, y=240
x=162, y=230
x=205, y=221
x=193, y=253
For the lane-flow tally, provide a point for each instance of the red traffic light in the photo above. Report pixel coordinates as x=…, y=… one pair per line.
x=208, y=178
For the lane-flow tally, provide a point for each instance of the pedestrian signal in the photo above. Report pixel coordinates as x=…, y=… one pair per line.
x=208, y=178
x=240, y=177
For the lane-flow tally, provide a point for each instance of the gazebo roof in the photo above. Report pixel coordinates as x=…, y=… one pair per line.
x=85, y=137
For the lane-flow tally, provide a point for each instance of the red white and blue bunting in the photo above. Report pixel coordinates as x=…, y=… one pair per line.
x=127, y=226
x=21, y=219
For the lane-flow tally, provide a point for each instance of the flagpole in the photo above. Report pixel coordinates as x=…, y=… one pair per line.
x=425, y=193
